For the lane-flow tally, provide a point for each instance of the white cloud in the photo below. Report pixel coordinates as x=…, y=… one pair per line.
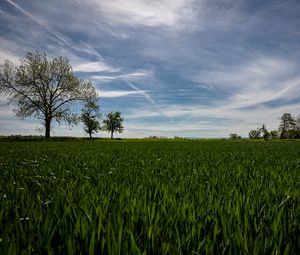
x=129, y=76
x=260, y=80
x=289, y=90
x=119, y=93
x=143, y=12
x=5, y=110
x=259, y=72
x=94, y=67
x=8, y=55
x=12, y=126
x=240, y=122
x=184, y=129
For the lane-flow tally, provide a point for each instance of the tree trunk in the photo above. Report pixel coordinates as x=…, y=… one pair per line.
x=112, y=135
x=47, y=128
x=282, y=135
x=90, y=133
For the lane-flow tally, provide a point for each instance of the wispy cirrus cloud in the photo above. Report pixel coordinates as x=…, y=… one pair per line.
x=194, y=120
x=258, y=81
x=145, y=94
x=63, y=40
x=138, y=75
x=148, y=13
x=46, y=26
x=119, y=93
x=9, y=55
x=94, y=67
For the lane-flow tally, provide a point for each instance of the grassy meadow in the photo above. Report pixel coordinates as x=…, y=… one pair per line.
x=150, y=197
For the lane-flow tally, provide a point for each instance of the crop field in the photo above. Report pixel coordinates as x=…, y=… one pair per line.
x=150, y=197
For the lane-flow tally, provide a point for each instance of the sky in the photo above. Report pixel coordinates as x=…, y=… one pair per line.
x=189, y=68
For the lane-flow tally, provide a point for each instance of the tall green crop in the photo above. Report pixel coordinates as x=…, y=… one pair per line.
x=149, y=197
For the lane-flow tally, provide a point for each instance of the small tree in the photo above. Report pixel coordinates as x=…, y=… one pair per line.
x=113, y=123
x=287, y=125
x=274, y=134
x=255, y=134
x=297, y=128
x=234, y=137
x=265, y=132
x=43, y=89
x=89, y=116
x=259, y=133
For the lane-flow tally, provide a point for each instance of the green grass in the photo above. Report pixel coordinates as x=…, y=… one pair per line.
x=149, y=197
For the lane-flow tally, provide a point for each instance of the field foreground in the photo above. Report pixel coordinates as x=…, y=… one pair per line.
x=151, y=197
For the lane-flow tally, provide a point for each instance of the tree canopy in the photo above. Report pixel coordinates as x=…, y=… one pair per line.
x=89, y=116
x=44, y=89
x=287, y=125
x=234, y=136
x=113, y=123
x=255, y=133
x=289, y=128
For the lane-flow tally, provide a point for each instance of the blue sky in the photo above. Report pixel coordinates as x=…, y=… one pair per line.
x=192, y=68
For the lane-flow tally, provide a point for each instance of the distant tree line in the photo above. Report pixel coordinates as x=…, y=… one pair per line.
x=48, y=90
x=289, y=128
x=234, y=136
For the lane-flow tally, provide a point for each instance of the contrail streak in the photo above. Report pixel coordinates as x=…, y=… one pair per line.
x=50, y=29
x=55, y=33
x=145, y=94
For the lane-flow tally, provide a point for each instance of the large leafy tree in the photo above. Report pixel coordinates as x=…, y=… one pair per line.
x=287, y=125
x=89, y=116
x=44, y=89
x=113, y=123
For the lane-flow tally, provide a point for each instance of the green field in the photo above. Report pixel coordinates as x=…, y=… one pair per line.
x=150, y=197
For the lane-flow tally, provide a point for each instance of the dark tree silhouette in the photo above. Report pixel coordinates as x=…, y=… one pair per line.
x=255, y=134
x=89, y=116
x=113, y=123
x=234, y=136
x=287, y=125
